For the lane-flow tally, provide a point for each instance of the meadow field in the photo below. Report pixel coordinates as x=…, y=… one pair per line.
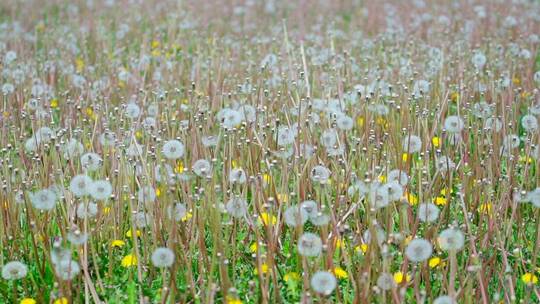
x=269, y=151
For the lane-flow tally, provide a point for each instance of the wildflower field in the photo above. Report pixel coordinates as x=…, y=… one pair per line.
x=269, y=151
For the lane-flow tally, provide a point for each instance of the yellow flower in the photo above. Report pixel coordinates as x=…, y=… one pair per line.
x=454, y=96
x=28, y=301
x=516, y=80
x=253, y=247
x=434, y=262
x=440, y=201
x=79, y=63
x=180, y=167
x=158, y=192
x=436, y=141
x=266, y=218
x=529, y=278
x=340, y=243
x=138, y=135
x=283, y=197
x=267, y=178
x=54, y=103
x=106, y=210
x=485, y=208
x=446, y=191
x=233, y=300
x=381, y=122
x=340, y=273
x=129, y=260
x=408, y=239
x=291, y=276
x=363, y=248
x=155, y=44
x=129, y=233
x=118, y=243
x=62, y=300
x=360, y=121
x=382, y=178
x=525, y=159
x=411, y=198
x=404, y=157
x=399, y=277
x=264, y=269
x=234, y=164
x=187, y=216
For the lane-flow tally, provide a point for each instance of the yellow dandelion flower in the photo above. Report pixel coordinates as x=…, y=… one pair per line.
x=412, y=199
x=264, y=269
x=233, y=300
x=138, y=135
x=408, y=239
x=79, y=64
x=253, y=247
x=516, y=81
x=291, y=276
x=454, y=97
x=28, y=301
x=525, y=159
x=118, y=243
x=399, y=277
x=283, y=197
x=529, y=278
x=62, y=300
x=361, y=248
x=340, y=243
x=485, y=208
x=129, y=233
x=187, y=216
x=180, y=167
x=381, y=121
x=234, y=164
x=360, y=121
x=382, y=178
x=440, y=201
x=89, y=111
x=129, y=260
x=267, y=178
x=106, y=210
x=404, y=157
x=158, y=192
x=54, y=103
x=266, y=219
x=436, y=141
x=155, y=44
x=434, y=262
x=340, y=273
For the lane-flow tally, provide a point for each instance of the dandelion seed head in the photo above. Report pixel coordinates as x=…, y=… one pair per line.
x=309, y=244
x=14, y=270
x=418, y=250
x=323, y=282
x=162, y=257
